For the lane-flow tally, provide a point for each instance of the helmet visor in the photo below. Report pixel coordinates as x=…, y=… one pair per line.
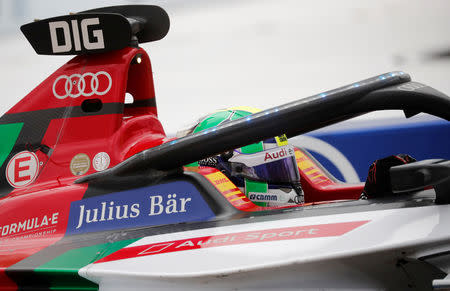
x=279, y=166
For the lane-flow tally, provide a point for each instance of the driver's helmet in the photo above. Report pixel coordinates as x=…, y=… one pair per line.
x=266, y=171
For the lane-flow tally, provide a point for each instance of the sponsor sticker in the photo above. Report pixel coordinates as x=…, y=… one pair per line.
x=155, y=205
x=239, y=238
x=266, y=197
x=228, y=190
x=80, y=164
x=281, y=140
x=62, y=42
x=101, y=161
x=22, y=169
x=271, y=155
x=311, y=170
x=86, y=85
x=278, y=153
x=30, y=228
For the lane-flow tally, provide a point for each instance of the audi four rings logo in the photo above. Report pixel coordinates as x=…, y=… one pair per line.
x=86, y=85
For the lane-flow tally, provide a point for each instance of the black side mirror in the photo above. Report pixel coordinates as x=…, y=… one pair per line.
x=418, y=175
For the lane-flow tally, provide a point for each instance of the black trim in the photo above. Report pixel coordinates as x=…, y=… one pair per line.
x=44, y=115
x=148, y=22
x=436, y=255
x=142, y=103
x=387, y=91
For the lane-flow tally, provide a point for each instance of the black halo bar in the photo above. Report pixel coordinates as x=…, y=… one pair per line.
x=388, y=91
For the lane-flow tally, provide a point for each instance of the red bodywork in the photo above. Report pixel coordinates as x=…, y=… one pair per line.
x=120, y=131
x=120, y=134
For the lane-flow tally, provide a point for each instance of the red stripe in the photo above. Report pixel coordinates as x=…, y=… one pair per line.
x=276, y=234
x=231, y=190
x=312, y=175
x=309, y=169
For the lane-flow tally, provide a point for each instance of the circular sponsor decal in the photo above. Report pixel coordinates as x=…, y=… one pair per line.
x=101, y=161
x=80, y=164
x=22, y=169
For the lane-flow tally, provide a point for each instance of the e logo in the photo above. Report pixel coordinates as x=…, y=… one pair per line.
x=22, y=169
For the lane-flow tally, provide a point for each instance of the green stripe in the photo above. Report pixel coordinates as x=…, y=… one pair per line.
x=9, y=134
x=62, y=272
x=255, y=186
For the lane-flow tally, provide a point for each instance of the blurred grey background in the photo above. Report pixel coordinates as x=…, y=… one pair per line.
x=255, y=53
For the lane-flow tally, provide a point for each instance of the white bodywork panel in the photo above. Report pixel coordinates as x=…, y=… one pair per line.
x=364, y=257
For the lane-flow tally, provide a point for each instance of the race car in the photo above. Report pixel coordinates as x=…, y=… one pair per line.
x=95, y=196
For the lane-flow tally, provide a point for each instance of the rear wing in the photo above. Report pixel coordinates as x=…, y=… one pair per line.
x=98, y=30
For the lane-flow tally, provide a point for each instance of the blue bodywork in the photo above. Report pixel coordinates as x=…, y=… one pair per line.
x=361, y=145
